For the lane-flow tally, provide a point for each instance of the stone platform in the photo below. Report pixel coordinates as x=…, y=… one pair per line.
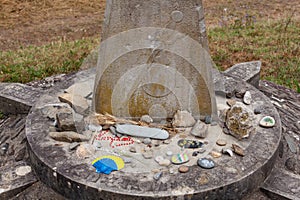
x=232, y=178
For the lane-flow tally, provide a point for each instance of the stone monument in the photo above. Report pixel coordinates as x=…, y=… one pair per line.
x=154, y=60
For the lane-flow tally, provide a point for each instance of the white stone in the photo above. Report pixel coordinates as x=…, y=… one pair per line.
x=146, y=118
x=164, y=162
x=247, y=98
x=200, y=129
x=183, y=119
x=23, y=170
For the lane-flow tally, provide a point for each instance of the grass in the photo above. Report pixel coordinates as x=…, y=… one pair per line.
x=275, y=43
x=1, y=115
x=37, y=62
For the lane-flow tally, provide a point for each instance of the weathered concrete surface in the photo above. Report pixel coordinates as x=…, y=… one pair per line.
x=16, y=98
x=233, y=177
x=154, y=60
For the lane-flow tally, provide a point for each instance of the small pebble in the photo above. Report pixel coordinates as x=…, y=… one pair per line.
x=201, y=150
x=127, y=160
x=132, y=149
x=167, y=141
x=215, y=154
x=231, y=102
x=157, y=176
x=247, y=98
x=257, y=111
x=238, y=150
x=113, y=130
x=206, y=163
x=239, y=93
x=195, y=153
x=147, y=141
x=164, y=162
x=158, y=158
x=146, y=118
x=221, y=142
x=207, y=119
x=229, y=94
x=183, y=169
x=169, y=153
x=148, y=155
x=227, y=151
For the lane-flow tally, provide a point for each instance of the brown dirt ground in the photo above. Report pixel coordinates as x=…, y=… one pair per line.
x=36, y=22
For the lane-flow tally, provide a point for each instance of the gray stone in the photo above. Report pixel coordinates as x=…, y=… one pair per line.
x=240, y=121
x=200, y=129
x=65, y=120
x=68, y=136
x=248, y=71
x=183, y=119
x=84, y=151
x=148, y=154
x=147, y=141
x=83, y=89
x=94, y=128
x=141, y=131
x=291, y=143
x=16, y=98
x=77, y=102
x=146, y=118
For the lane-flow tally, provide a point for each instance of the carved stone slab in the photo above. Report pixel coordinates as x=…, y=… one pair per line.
x=16, y=98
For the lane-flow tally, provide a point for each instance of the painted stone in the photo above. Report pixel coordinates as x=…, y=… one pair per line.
x=140, y=131
x=183, y=119
x=206, y=163
x=107, y=164
x=157, y=176
x=247, y=99
x=200, y=129
x=267, y=122
x=180, y=159
x=189, y=144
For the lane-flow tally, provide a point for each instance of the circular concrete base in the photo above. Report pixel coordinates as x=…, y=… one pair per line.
x=232, y=177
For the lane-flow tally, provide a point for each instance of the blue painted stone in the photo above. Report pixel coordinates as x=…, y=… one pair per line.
x=206, y=163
